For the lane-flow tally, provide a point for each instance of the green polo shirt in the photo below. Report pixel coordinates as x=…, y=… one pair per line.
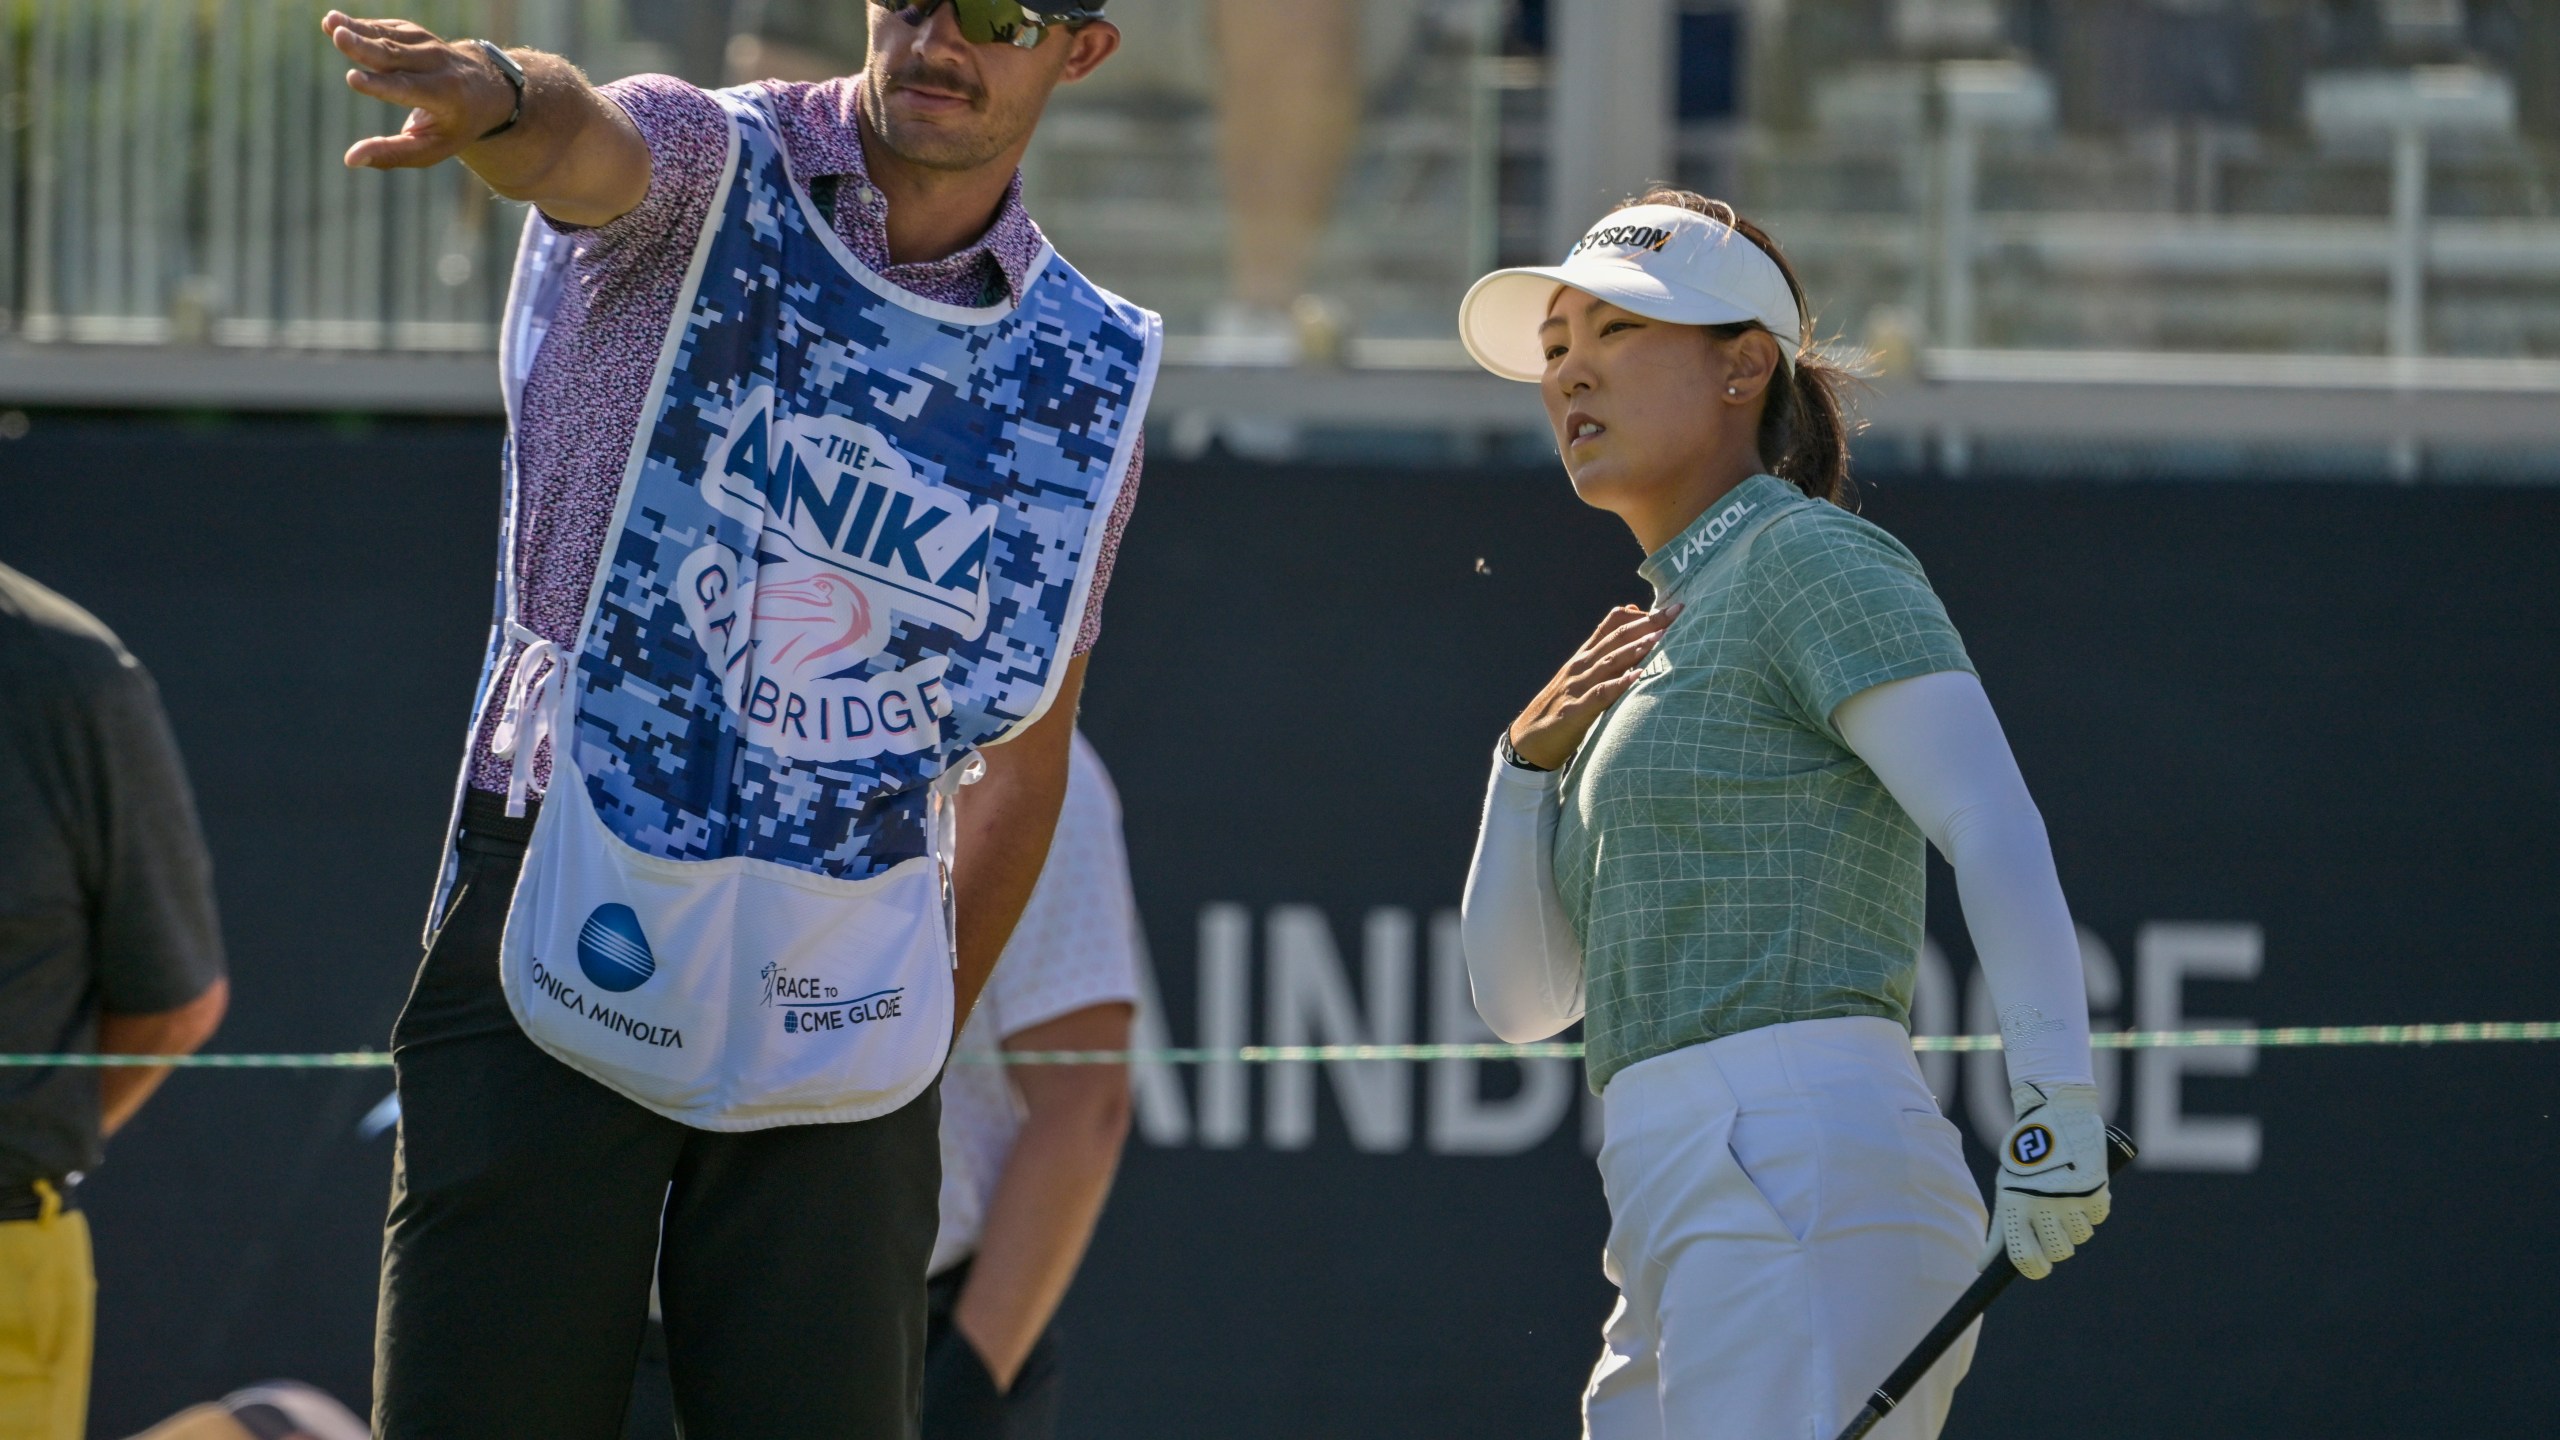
x=1726, y=859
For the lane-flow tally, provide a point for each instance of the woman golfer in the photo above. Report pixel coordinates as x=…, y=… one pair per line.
x=1703, y=839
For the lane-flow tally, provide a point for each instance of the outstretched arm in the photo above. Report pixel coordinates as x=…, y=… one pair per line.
x=572, y=151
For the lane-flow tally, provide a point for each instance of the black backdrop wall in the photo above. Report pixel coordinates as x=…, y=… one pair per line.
x=2294, y=743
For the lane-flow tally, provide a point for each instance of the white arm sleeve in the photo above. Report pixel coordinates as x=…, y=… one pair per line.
x=1937, y=747
x=1522, y=959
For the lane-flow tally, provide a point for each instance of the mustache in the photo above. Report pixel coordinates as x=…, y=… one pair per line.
x=934, y=77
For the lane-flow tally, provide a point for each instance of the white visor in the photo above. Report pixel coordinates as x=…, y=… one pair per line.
x=1659, y=261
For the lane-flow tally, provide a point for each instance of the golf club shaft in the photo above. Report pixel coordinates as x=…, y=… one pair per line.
x=1968, y=1308
x=1977, y=1297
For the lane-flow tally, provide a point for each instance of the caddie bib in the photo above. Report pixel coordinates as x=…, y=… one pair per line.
x=853, y=543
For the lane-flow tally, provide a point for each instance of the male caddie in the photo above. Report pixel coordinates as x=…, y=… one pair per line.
x=815, y=461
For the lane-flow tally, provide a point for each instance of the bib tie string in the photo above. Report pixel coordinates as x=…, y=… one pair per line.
x=531, y=716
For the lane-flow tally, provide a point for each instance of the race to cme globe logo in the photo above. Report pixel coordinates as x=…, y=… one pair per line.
x=613, y=952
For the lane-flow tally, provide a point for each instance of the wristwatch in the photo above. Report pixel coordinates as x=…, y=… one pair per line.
x=514, y=72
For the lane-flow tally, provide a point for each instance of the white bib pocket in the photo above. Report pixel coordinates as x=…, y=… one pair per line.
x=731, y=994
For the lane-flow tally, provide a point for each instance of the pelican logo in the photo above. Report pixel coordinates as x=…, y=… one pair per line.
x=2031, y=1146
x=789, y=640
x=836, y=537
x=810, y=624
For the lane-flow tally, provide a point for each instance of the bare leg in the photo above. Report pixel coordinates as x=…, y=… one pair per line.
x=1289, y=97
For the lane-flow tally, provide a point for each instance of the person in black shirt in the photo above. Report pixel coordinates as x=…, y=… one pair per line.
x=108, y=943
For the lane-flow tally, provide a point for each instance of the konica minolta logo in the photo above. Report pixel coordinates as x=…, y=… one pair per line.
x=613, y=957
x=613, y=952
x=1631, y=237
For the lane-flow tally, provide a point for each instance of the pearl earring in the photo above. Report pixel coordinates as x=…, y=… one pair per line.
x=1733, y=389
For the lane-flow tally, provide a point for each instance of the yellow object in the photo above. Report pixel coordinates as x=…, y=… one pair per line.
x=48, y=1312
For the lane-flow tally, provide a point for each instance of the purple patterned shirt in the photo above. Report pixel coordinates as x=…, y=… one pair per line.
x=582, y=401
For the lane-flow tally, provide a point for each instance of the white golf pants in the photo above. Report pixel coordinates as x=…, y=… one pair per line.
x=1789, y=1213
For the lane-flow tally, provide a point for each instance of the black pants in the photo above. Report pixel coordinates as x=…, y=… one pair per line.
x=526, y=1210
x=960, y=1398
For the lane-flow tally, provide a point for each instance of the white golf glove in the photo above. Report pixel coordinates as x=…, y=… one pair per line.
x=2052, y=1191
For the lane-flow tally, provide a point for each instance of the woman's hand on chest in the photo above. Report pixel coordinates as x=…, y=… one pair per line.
x=1605, y=667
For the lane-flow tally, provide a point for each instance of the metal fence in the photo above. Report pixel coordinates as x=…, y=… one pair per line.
x=170, y=172
x=170, y=176
x=1128, y=181
x=2397, y=213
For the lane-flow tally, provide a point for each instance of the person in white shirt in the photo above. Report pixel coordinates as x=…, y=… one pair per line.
x=1028, y=1151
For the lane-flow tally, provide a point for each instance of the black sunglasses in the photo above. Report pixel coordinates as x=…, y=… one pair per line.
x=990, y=22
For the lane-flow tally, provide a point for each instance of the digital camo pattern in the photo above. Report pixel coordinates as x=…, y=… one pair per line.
x=851, y=549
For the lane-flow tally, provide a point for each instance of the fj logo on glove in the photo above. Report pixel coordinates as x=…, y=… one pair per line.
x=2031, y=1145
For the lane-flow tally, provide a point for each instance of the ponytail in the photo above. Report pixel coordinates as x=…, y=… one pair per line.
x=1804, y=431
x=1804, y=426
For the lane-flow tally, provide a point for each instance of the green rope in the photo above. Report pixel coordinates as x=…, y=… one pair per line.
x=342, y=1060
x=2287, y=1037
x=2296, y=1037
